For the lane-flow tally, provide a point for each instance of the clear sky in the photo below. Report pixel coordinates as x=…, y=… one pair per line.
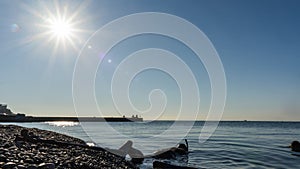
x=257, y=40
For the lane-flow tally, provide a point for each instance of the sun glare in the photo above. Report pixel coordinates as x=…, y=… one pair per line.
x=60, y=28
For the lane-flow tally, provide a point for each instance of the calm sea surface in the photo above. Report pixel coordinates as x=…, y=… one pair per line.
x=233, y=145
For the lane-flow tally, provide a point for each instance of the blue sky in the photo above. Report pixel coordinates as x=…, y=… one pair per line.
x=257, y=41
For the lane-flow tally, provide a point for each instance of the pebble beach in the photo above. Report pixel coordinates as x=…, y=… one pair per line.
x=22, y=154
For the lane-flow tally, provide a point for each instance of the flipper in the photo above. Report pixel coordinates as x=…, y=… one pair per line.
x=187, y=144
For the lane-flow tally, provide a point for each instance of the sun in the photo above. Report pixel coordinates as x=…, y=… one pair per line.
x=59, y=25
x=60, y=28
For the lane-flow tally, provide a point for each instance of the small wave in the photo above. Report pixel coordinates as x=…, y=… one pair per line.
x=90, y=144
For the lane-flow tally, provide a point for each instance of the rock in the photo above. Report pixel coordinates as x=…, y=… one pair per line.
x=3, y=158
x=32, y=167
x=46, y=166
x=37, y=159
x=7, y=145
x=21, y=167
x=2, y=150
x=28, y=160
x=9, y=165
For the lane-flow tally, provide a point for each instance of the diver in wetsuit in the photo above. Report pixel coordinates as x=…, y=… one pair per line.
x=138, y=157
x=295, y=146
x=173, y=152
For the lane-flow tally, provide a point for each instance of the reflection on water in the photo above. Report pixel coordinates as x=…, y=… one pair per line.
x=62, y=123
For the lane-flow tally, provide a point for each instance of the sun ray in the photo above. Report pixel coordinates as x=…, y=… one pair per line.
x=59, y=25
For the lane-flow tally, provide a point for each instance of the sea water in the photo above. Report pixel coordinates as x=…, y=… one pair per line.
x=233, y=145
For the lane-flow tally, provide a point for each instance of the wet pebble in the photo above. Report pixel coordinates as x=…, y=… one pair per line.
x=46, y=166
x=9, y=165
x=3, y=158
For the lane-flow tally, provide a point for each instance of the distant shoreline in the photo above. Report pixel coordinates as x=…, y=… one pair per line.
x=115, y=119
x=221, y=121
x=25, y=119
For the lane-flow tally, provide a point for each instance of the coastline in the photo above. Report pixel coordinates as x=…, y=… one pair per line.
x=21, y=154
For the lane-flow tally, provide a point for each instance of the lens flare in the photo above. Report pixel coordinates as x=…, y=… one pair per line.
x=14, y=28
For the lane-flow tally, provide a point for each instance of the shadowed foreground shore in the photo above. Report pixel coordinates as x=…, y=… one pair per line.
x=15, y=153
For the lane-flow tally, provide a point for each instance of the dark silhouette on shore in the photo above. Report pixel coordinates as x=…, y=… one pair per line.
x=172, y=153
x=137, y=157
